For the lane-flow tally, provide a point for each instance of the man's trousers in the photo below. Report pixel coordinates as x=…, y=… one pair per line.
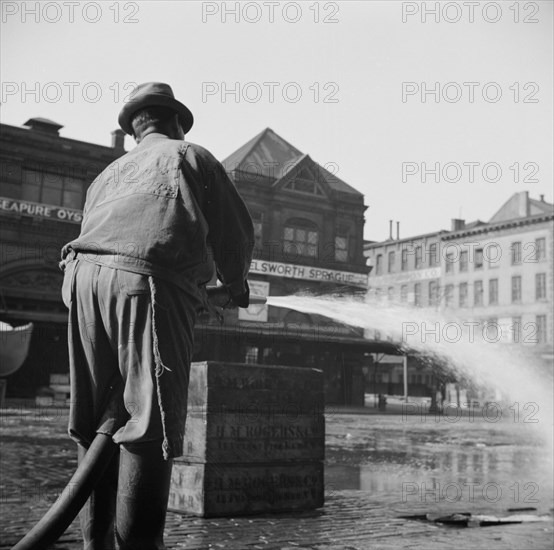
x=130, y=347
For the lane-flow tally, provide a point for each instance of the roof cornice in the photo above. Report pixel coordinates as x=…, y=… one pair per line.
x=515, y=222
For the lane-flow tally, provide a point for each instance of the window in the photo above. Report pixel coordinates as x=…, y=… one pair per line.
x=301, y=238
x=433, y=293
x=449, y=263
x=404, y=293
x=418, y=256
x=540, y=249
x=491, y=331
x=463, y=295
x=516, y=253
x=516, y=330
x=463, y=260
x=341, y=248
x=540, y=327
x=404, y=259
x=494, y=253
x=379, y=264
x=449, y=295
x=433, y=254
x=251, y=356
x=417, y=294
x=378, y=293
x=390, y=293
x=516, y=288
x=391, y=261
x=257, y=220
x=493, y=292
x=478, y=293
x=478, y=258
x=540, y=286
x=57, y=189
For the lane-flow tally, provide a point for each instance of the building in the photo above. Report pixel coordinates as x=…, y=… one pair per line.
x=44, y=178
x=309, y=238
x=497, y=273
x=408, y=270
x=501, y=274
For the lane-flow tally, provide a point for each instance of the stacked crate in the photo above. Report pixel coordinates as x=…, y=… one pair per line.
x=254, y=441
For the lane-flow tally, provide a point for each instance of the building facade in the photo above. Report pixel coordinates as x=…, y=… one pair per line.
x=407, y=271
x=309, y=238
x=499, y=274
x=43, y=182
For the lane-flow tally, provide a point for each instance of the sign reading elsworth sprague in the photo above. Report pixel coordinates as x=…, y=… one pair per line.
x=37, y=210
x=308, y=273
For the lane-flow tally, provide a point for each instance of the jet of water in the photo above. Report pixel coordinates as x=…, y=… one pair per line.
x=468, y=348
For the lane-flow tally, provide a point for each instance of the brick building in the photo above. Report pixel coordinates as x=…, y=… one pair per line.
x=43, y=182
x=501, y=273
x=309, y=237
x=497, y=273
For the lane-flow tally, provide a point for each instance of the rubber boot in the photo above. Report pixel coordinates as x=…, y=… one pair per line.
x=142, y=494
x=97, y=517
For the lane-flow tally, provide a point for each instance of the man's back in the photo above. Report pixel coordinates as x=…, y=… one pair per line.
x=149, y=212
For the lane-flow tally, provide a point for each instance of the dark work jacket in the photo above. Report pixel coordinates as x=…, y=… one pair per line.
x=168, y=209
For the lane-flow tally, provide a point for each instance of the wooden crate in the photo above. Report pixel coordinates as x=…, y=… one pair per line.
x=255, y=389
x=239, y=437
x=213, y=489
x=254, y=441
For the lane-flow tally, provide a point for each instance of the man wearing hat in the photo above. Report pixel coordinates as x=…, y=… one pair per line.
x=158, y=223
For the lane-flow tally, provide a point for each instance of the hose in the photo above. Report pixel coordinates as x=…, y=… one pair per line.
x=60, y=515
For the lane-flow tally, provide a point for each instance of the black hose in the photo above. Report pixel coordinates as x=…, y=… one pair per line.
x=74, y=496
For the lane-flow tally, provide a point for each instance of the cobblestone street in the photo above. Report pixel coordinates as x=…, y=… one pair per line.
x=367, y=470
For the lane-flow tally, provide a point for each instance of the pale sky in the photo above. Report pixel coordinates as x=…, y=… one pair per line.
x=337, y=70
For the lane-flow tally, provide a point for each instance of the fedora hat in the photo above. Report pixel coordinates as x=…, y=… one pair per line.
x=152, y=94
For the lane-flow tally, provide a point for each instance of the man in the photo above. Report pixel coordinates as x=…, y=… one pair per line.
x=157, y=223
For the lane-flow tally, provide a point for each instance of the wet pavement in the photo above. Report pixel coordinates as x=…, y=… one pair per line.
x=379, y=468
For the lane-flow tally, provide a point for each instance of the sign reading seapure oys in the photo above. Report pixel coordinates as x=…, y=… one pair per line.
x=38, y=210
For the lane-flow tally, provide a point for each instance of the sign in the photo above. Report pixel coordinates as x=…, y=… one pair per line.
x=231, y=489
x=408, y=276
x=308, y=273
x=256, y=312
x=44, y=211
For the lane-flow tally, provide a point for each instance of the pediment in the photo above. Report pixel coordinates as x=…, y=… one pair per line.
x=304, y=178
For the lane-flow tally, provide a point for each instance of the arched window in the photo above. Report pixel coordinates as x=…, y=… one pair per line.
x=300, y=238
x=418, y=257
x=392, y=258
x=379, y=264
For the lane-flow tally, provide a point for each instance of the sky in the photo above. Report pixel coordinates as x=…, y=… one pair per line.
x=431, y=113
